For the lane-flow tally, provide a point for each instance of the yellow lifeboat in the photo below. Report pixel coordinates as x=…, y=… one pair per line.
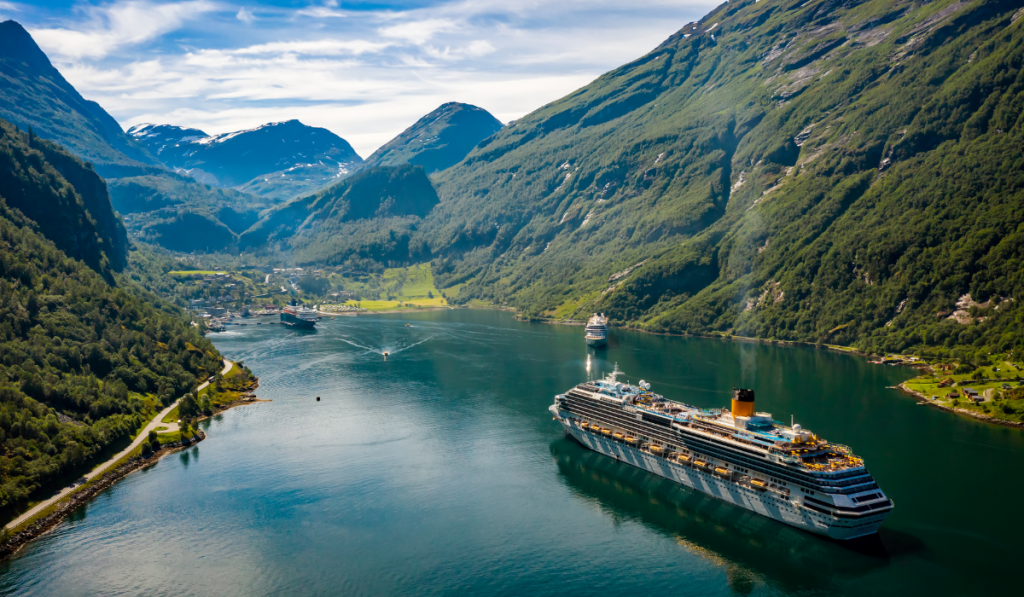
x=630, y=439
x=721, y=470
x=700, y=463
x=759, y=484
x=585, y=425
x=657, y=449
x=618, y=435
x=606, y=431
x=684, y=458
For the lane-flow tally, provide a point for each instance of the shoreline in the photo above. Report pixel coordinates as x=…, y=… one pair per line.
x=63, y=508
x=922, y=399
x=14, y=539
x=921, y=368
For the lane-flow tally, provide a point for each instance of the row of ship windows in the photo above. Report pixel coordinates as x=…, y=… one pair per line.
x=711, y=451
x=741, y=456
x=712, y=454
x=784, y=504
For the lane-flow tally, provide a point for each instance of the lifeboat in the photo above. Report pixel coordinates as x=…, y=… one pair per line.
x=722, y=471
x=585, y=425
x=630, y=439
x=700, y=463
x=758, y=484
x=657, y=449
x=683, y=458
x=606, y=431
x=618, y=436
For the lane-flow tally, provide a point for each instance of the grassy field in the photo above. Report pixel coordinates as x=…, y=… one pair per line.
x=397, y=288
x=986, y=380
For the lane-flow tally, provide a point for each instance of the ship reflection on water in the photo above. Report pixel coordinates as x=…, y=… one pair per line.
x=753, y=550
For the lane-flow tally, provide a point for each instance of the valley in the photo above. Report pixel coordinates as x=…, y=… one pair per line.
x=771, y=186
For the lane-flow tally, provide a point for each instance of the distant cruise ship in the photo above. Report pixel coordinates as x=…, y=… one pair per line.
x=298, y=316
x=738, y=455
x=597, y=330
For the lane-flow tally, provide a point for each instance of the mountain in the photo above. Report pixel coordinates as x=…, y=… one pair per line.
x=33, y=93
x=66, y=200
x=440, y=139
x=820, y=171
x=181, y=214
x=85, y=363
x=370, y=215
x=279, y=160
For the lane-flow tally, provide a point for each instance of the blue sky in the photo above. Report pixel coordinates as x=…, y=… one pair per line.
x=365, y=70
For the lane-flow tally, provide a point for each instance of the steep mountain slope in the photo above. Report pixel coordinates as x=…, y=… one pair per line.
x=84, y=363
x=370, y=215
x=440, y=139
x=155, y=207
x=33, y=93
x=66, y=199
x=278, y=160
x=165, y=141
x=823, y=171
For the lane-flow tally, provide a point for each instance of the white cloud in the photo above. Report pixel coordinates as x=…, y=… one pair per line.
x=418, y=32
x=329, y=10
x=121, y=24
x=245, y=15
x=8, y=7
x=322, y=47
x=365, y=77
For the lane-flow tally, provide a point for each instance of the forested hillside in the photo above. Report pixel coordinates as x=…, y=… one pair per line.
x=66, y=198
x=82, y=362
x=371, y=215
x=843, y=173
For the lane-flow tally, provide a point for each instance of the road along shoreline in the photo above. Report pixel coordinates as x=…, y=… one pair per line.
x=69, y=498
x=65, y=507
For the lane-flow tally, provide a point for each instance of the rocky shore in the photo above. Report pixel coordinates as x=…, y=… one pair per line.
x=11, y=544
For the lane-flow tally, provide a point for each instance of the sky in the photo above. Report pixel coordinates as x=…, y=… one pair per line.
x=364, y=70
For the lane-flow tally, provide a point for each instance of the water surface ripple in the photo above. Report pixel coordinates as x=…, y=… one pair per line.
x=439, y=471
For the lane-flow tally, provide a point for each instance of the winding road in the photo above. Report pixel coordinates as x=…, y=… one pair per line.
x=99, y=470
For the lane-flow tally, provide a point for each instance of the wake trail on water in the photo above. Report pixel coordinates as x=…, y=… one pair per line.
x=382, y=350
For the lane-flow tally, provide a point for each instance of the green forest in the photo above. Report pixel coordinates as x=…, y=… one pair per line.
x=842, y=174
x=83, y=361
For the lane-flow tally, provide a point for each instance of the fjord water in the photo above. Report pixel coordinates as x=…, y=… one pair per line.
x=439, y=471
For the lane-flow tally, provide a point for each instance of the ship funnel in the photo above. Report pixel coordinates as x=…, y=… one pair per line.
x=742, y=403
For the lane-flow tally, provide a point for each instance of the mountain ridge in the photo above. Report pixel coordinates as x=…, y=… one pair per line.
x=702, y=187
x=30, y=86
x=438, y=140
x=277, y=160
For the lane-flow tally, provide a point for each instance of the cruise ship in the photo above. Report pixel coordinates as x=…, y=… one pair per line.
x=737, y=455
x=597, y=330
x=297, y=316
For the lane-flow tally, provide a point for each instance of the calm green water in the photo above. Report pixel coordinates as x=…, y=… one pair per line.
x=441, y=472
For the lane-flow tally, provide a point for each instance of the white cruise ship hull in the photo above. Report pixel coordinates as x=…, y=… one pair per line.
x=766, y=502
x=597, y=341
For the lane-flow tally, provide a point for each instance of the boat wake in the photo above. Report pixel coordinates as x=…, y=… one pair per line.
x=385, y=350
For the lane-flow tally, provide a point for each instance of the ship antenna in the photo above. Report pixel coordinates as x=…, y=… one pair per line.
x=791, y=420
